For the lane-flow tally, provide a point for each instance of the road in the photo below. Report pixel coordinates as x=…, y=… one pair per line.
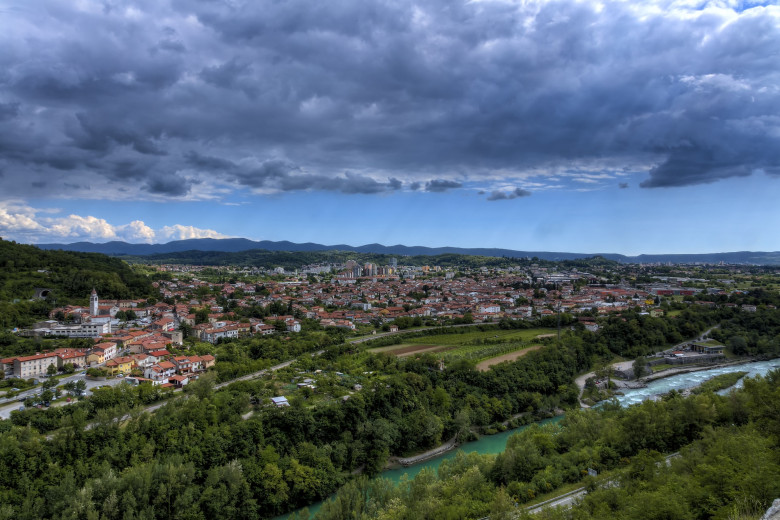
x=569, y=499
x=9, y=405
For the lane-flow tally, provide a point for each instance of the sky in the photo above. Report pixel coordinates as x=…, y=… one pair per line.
x=582, y=126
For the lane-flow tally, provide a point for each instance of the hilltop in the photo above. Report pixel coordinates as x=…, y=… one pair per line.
x=235, y=245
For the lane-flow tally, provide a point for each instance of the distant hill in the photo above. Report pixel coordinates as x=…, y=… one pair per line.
x=235, y=245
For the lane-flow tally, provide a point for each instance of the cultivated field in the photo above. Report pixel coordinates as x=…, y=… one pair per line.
x=489, y=347
x=484, y=366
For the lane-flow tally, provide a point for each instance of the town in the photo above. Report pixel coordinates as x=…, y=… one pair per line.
x=132, y=337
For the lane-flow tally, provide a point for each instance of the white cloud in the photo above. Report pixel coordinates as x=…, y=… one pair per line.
x=16, y=218
x=81, y=227
x=179, y=232
x=21, y=222
x=137, y=231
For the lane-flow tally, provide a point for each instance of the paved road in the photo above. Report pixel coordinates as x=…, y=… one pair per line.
x=570, y=499
x=13, y=404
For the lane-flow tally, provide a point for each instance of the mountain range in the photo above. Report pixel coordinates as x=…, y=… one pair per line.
x=234, y=245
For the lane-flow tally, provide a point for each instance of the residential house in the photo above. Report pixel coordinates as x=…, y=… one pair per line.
x=183, y=364
x=76, y=357
x=120, y=365
x=109, y=350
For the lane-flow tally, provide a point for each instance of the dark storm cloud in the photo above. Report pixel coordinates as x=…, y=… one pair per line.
x=440, y=185
x=508, y=195
x=351, y=183
x=8, y=110
x=172, y=185
x=623, y=185
x=226, y=74
x=206, y=162
x=130, y=95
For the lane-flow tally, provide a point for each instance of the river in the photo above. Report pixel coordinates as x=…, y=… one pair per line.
x=693, y=379
x=497, y=443
x=486, y=444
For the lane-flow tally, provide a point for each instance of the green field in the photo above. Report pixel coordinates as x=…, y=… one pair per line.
x=474, y=345
x=481, y=337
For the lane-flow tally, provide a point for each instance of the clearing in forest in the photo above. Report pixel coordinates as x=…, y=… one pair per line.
x=485, y=365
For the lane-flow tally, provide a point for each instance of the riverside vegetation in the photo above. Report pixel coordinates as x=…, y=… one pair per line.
x=728, y=465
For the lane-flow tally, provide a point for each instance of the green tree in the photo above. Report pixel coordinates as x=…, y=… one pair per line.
x=640, y=367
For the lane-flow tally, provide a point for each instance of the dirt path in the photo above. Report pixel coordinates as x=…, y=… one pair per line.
x=484, y=366
x=580, y=381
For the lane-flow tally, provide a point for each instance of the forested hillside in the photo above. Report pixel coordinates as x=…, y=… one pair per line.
x=296, y=260
x=728, y=466
x=69, y=276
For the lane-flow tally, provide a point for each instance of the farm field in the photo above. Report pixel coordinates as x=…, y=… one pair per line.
x=484, y=366
x=479, y=336
x=477, y=346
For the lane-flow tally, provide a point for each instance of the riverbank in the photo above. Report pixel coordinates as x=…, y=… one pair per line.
x=396, y=462
x=687, y=370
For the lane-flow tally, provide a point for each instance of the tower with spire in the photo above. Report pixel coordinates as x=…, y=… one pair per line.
x=93, y=303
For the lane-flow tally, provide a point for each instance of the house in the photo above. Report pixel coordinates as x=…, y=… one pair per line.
x=158, y=355
x=7, y=365
x=183, y=364
x=178, y=381
x=264, y=330
x=143, y=361
x=160, y=373
x=213, y=335
x=120, y=365
x=96, y=357
x=207, y=361
x=293, y=325
x=197, y=363
x=163, y=324
x=156, y=375
x=76, y=357
x=109, y=350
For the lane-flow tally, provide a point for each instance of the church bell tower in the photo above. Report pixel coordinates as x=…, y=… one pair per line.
x=93, y=303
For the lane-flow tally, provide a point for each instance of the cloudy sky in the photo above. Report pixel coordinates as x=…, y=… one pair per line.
x=587, y=126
